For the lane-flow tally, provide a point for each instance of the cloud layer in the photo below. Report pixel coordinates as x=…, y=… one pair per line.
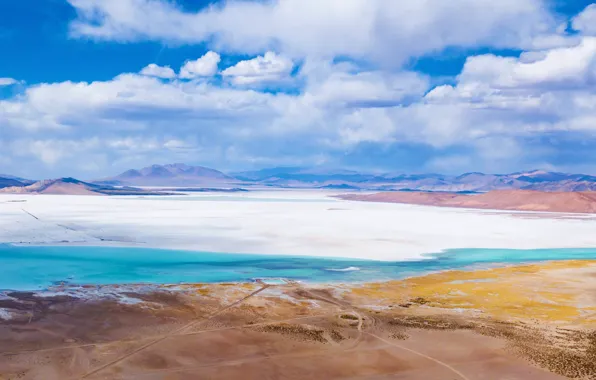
x=319, y=83
x=371, y=29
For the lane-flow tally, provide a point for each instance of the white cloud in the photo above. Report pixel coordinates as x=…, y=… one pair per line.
x=565, y=67
x=361, y=29
x=496, y=113
x=52, y=151
x=205, y=66
x=153, y=70
x=541, y=92
x=586, y=21
x=8, y=82
x=552, y=41
x=177, y=145
x=371, y=89
x=267, y=68
x=136, y=119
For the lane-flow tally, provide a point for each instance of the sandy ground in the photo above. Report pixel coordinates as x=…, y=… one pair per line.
x=396, y=330
x=282, y=222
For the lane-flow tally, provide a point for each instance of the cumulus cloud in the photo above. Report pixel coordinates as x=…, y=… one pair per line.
x=368, y=89
x=8, y=82
x=585, y=22
x=263, y=69
x=561, y=67
x=361, y=29
x=497, y=104
x=205, y=66
x=352, y=96
x=153, y=70
x=520, y=98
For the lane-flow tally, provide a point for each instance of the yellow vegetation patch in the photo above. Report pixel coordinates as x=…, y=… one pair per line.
x=524, y=292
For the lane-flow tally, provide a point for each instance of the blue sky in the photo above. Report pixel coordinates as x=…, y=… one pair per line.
x=90, y=88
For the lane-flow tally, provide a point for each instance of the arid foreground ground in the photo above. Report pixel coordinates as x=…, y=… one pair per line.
x=526, y=322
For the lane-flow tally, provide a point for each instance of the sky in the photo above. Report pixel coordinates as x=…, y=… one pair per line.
x=90, y=88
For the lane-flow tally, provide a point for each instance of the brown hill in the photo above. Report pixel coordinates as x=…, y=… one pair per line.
x=71, y=186
x=521, y=200
x=54, y=186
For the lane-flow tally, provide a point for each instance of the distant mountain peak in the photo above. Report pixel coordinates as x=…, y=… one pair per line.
x=178, y=166
x=176, y=174
x=470, y=174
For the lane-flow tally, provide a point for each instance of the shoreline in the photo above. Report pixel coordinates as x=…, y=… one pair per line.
x=140, y=264
x=62, y=287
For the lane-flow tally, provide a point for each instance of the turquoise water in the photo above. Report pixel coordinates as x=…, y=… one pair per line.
x=31, y=268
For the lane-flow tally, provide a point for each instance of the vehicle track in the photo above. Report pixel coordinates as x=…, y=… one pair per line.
x=50, y=349
x=442, y=363
x=361, y=332
x=30, y=214
x=177, y=331
x=226, y=363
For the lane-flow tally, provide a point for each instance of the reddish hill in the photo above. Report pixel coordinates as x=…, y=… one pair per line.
x=60, y=186
x=521, y=200
x=71, y=186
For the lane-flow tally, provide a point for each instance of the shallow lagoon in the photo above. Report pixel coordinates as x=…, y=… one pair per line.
x=38, y=267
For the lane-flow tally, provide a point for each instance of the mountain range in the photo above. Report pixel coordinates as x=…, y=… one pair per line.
x=181, y=175
x=169, y=175
x=467, y=182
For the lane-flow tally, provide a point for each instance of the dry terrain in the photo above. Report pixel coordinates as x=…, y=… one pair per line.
x=520, y=200
x=525, y=322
